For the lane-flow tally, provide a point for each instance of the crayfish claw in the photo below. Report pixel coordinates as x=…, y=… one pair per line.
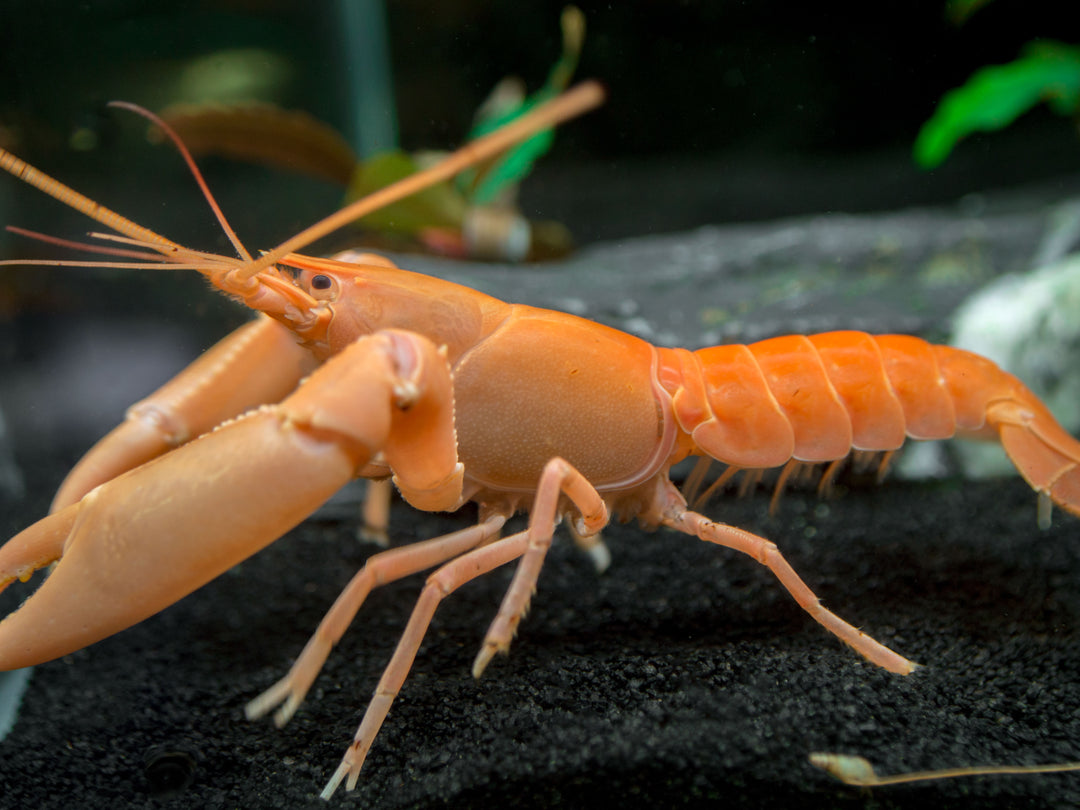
x=36, y=547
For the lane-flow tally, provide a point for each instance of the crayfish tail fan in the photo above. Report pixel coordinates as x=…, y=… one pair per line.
x=992, y=403
x=1044, y=453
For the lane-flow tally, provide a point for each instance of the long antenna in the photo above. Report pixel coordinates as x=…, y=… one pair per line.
x=83, y=204
x=570, y=104
x=573, y=102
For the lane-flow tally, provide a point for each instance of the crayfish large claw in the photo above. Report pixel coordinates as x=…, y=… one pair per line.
x=144, y=540
x=139, y=543
x=258, y=363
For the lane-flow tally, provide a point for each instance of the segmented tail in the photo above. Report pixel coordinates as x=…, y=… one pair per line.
x=817, y=398
x=1044, y=453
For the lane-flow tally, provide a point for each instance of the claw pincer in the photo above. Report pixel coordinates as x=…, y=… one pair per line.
x=136, y=544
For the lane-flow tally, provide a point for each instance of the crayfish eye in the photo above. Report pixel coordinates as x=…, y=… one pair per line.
x=323, y=287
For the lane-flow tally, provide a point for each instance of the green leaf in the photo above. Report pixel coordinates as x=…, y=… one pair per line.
x=995, y=96
x=483, y=186
x=516, y=164
x=439, y=205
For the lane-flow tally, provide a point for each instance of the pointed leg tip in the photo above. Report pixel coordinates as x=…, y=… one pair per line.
x=289, y=708
x=335, y=781
x=486, y=654
x=284, y=693
x=258, y=706
x=900, y=665
x=374, y=534
x=601, y=557
x=483, y=658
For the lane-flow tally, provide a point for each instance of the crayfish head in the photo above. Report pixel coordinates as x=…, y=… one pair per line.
x=324, y=303
x=297, y=293
x=330, y=303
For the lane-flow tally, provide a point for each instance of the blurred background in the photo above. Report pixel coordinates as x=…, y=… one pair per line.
x=718, y=111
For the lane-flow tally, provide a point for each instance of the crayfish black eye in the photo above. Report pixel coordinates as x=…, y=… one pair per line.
x=323, y=287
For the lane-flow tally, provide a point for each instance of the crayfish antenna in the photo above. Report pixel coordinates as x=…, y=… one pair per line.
x=173, y=254
x=83, y=204
x=573, y=102
x=256, y=282
x=87, y=247
x=855, y=770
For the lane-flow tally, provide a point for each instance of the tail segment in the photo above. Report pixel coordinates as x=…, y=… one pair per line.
x=815, y=399
x=1043, y=451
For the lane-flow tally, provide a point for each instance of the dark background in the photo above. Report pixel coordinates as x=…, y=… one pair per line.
x=684, y=675
x=793, y=108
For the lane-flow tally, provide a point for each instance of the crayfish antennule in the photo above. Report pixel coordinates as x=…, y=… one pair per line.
x=190, y=161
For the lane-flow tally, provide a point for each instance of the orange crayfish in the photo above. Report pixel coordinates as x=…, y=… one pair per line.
x=377, y=371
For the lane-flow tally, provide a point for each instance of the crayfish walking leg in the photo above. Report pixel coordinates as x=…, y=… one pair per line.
x=769, y=555
x=382, y=568
x=558, y=478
